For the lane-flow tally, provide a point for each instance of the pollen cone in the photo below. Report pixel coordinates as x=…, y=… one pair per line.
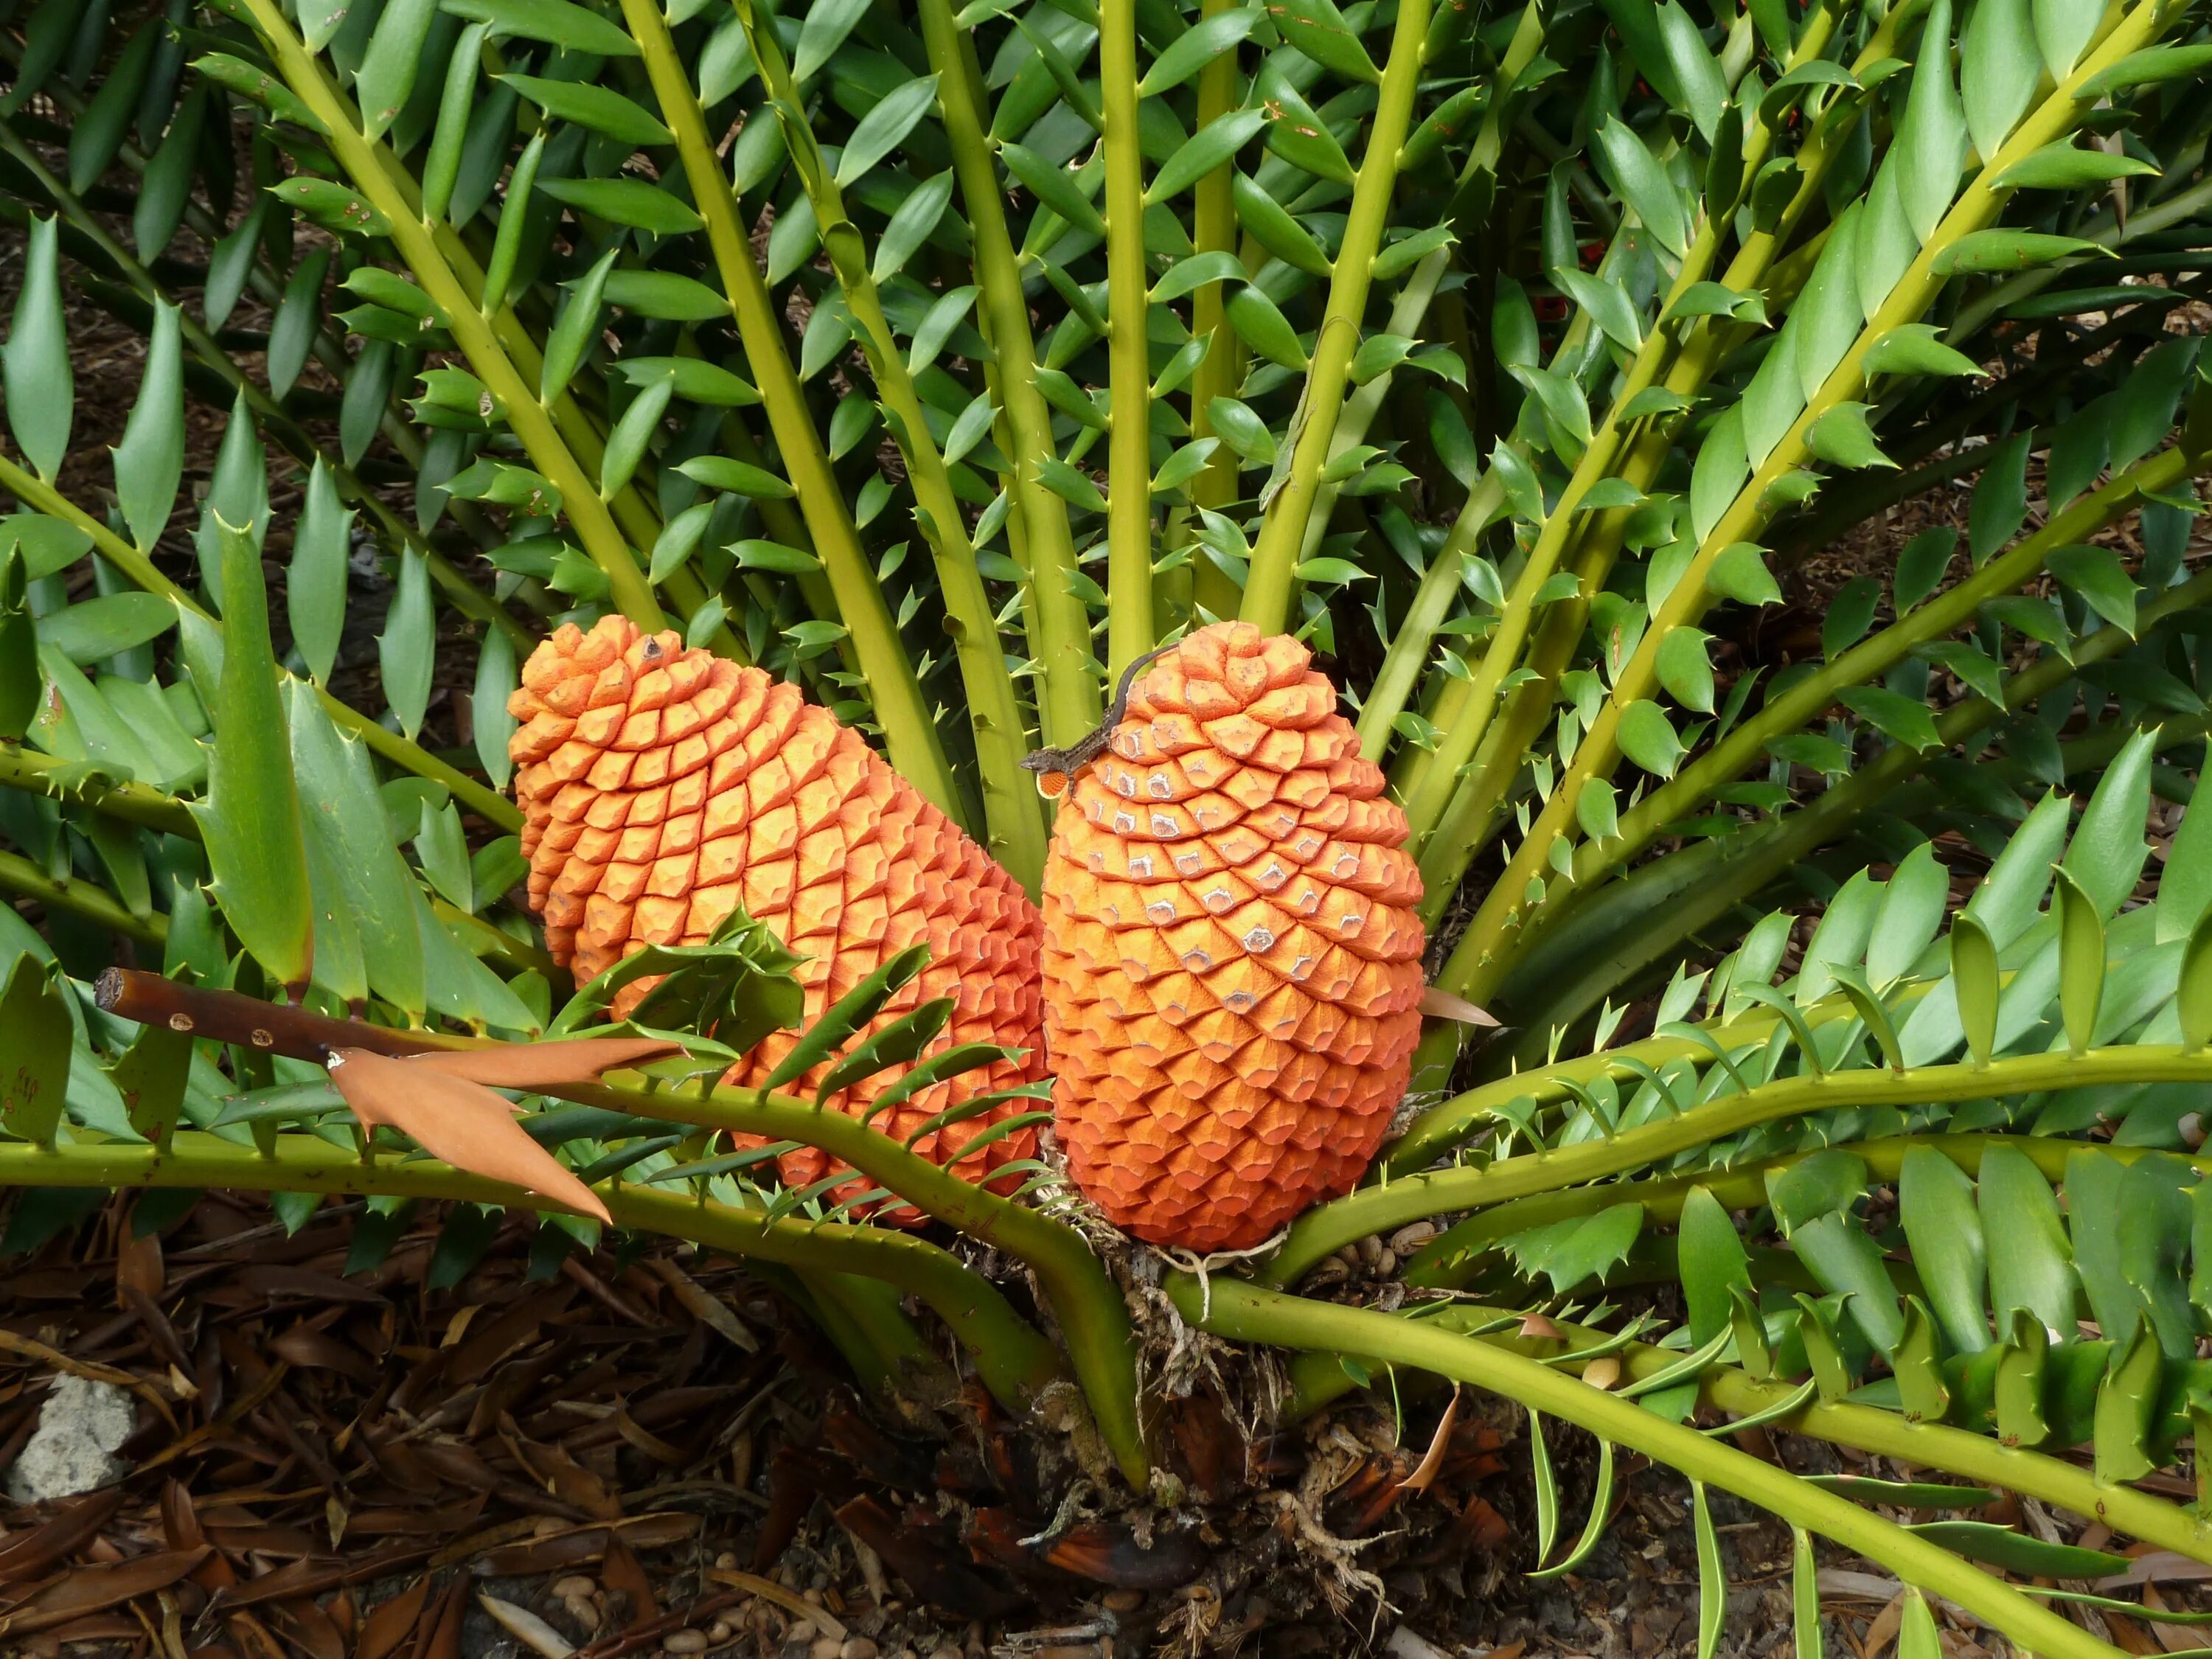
x=660, y=788
x=1232, y=953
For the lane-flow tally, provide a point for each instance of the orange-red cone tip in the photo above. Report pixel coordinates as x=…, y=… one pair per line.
x=660, y=788
x=1232, y=957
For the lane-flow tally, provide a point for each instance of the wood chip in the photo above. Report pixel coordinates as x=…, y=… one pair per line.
x=703, y=1304
x=527, y=1627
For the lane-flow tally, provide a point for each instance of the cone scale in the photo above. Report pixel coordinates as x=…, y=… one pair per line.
x=662, y=787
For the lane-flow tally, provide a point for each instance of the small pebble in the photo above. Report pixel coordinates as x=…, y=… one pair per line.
x=575, y=1587
x=727, y=1560
x=1386, y=1263
x=1124, y=1600
x=825, y=1647
x=1410, y=1238
x=685, y=1641
x=718, y=1633
x=859, y=1647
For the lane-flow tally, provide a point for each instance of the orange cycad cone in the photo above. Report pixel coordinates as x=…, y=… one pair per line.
x=662, y=787
x=1232, y=957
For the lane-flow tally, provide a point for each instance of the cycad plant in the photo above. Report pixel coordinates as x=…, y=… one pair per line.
x=944, y=363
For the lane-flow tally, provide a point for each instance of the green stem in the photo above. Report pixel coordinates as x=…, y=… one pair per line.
x=1267, y=590
x=1213, y=230
x=1417, y=629
x=2181, y=206
x=865, y=1320
x=2052, y=367
x=910, y=734
x=1129, y=440
x=1382, y=1209
x=372, y=173
x=1246, y=1313
x=1316, y=1378
x=78, y=897
x=1068, y=693
x=1474, y=812
x=1520, y=889
x=134, y=803
x=1407, y=312
x=1444, y=1126
x=1866, y=662
x=1752, y=867
x=1013, y=1358
x=1449, y=840
x=1446, y=1261
x=1432, y=781
x=1014, y=828
x=486, y=804
x=137, y=802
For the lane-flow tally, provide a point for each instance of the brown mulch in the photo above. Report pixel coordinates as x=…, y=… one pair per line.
x=648, y=1452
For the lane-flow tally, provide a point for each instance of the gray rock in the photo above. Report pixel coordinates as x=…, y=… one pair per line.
x=73, y=1448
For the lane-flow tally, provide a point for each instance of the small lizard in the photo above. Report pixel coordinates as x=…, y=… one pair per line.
x=1056, y=768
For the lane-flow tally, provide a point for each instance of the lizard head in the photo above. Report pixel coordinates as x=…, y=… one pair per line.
x=1054, y=770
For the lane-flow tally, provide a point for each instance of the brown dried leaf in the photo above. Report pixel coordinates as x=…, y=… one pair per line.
x=1107, y=1553
x=620, y=1571
x=462, y=1123
x=312, y=1578
x=647, y=1441
x=1442, y=1005
x=542, y=1064
x=1886, y=1624
x=703, y=1304
x=308, y=1628
x=88, y=1589
x=391, y=1622
x=444, y=1638
x=180, y=1521
x=1433, y=1460
x=31, y=1348
x=320, y=1350
x=582, y=1544
x=278, y=1281
x=25, y=1555
x=138, y=1264
x=572, y=1483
